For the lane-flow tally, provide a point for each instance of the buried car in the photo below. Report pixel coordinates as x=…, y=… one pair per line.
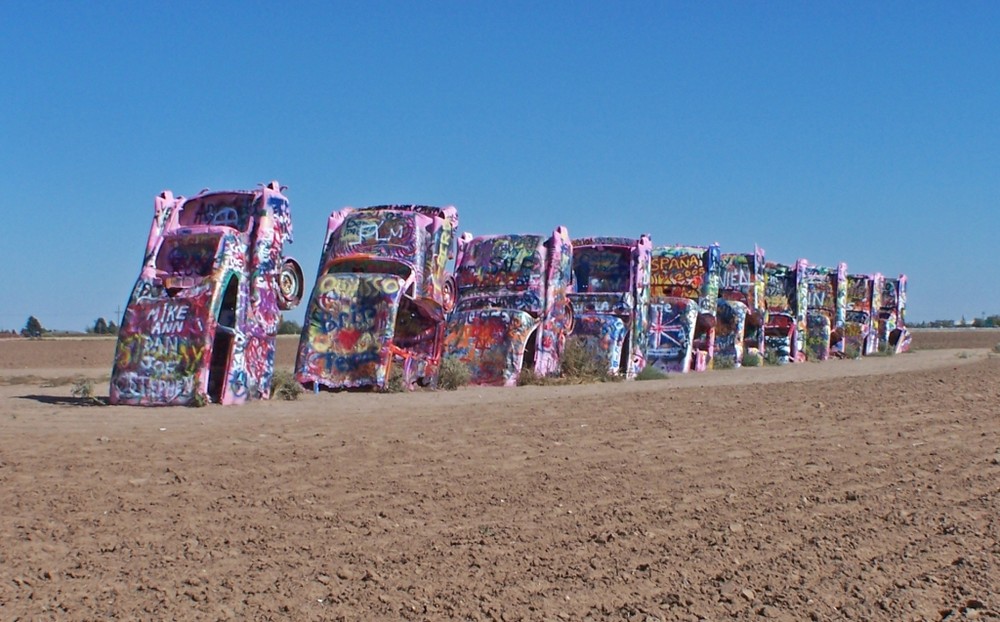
x=742, y=309
x=611, y=300
x=786, y=295
x=893, y=336
x=382, y=295
x=201, y=322
x=826, y=308
x=864, y=299
x=513, y=313
x=684, y=292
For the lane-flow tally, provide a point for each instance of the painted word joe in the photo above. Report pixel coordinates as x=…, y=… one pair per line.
x=200, y=324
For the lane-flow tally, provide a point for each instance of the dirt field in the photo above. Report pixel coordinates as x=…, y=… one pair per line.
x=863, y=490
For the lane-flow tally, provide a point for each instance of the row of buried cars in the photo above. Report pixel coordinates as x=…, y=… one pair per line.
x=398, y=288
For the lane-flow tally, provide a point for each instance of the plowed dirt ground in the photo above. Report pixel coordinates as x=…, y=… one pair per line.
x=863, y=490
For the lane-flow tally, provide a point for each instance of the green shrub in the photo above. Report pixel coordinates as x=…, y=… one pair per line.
x=885, y=349
x=396, y=382
x=285, y=386
x=453, y=374
x=752, y=359
x=814, y=345
x=723, y=363
x=288, y=327
x=651, y=373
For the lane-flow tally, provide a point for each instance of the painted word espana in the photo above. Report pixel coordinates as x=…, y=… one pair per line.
x=684, y=293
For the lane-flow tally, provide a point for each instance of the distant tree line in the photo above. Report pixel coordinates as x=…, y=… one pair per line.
x=992, y=321
x=103, y=327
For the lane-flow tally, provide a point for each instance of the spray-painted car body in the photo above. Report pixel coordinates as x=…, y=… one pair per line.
x=611, y=299
x=382, y=295
x=683, y=302
x=513, y=310
x=864, y=300
x=827, y=305
x=742, y=311
x=893, y=335
x=202, y=319
x=786, y=295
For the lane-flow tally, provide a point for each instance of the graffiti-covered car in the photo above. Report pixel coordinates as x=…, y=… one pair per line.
x=893, y=336
x=611, y=299
x=864, y=300
x=827, y=303
x=513, y=312
x=201, y=322
x=683, y=301
x=742, y=309
x=786, y=294
x=382, y=295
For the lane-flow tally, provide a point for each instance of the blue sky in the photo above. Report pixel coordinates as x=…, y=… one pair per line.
x=862, y=132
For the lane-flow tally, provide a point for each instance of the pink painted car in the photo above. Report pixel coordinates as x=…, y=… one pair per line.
x=786, y=294
x=893, y=336
x=513, y=312
x=827, y=305
x=684, y=297
x=382, y=295
x=864, y=300
x=742, y=308
x=611, y=300
x=200, y=324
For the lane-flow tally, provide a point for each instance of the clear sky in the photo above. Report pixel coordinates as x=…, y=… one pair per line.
x=865, y=132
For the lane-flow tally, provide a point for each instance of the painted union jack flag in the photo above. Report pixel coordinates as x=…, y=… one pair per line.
x=666, y=328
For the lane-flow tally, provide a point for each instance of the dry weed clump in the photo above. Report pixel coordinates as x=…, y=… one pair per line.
x=83, y=390
x=584, y=364
x=285, y=386
x=528, y=378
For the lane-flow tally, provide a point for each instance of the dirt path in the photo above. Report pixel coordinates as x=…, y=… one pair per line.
x=866, y=490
